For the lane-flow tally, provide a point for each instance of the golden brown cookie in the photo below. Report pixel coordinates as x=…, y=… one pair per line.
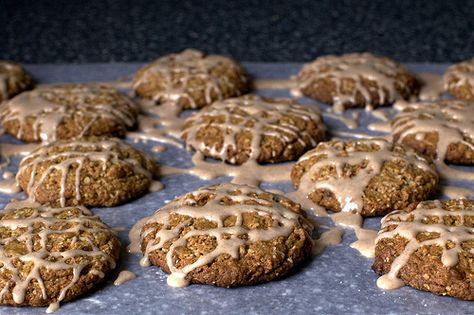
x=262, y=129
x=430, y=247
x=68, y=111
x=13, y=79
x=191, y=78
x=459, y=80
x=226, y=235
x=442, y=130
x=52, y=255
x=94, y=172
x=356, y=80
x=369, y=177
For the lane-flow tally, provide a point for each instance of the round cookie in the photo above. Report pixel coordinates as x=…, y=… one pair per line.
x=459, y=80
x=92, y=172
x=368, y=177
x=254, y=128
x=430, y=247
x=442, y=130
x=13, y=80
x=226, y=235
x=52, y=255
x=191, y=78
x=68, y=111
x=356, y=80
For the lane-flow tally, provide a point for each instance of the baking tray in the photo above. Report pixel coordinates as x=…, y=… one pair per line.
x=337, y=281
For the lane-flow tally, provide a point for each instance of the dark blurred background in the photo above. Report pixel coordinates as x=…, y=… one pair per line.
x=119, y=31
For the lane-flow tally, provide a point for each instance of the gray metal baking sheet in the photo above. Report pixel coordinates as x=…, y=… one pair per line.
x=339, y=281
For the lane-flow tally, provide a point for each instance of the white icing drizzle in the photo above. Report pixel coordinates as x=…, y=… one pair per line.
x=249, y=173
x=52, y=105
x=349, y=134
x=158, y=148
x=8, y=150
x=456, y=192
x=75, y=153
x=42, y=258
x=450, y=173
x=350, y=122
x=329, y=238
x=401, y=105
x=432, y=86
x=349, y=191
x=156, y=186
x=9, y=186
x=167, y=119
x=177, y=70
x=296, y=92
x=410, y=224
x=453, y=120
x=274, y=84
x=365, y=243
x=124, y=276
x=384, y=126
x=134, y=235
x=283, y=223
x=355, y=67
x=8, y=175
x=348, y=219
x=53, y=307
x=261, y=117
x=376, y=113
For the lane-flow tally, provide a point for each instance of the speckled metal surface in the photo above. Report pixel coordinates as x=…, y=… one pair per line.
x=339, y=281
x=58, y=31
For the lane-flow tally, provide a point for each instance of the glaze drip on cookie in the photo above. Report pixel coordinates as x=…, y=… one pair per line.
x=443, y=130
x=344, y=169
x=220, y=204
x=109, y=157
x=427, y=226
x=355, y=80
x=38, y=242
x=191, y=79
x=68, y=111
x=253, y=128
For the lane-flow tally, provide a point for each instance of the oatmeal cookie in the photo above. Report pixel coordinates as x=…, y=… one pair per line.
x=369, y=177
x=356, y=80
x=262, y=129
x=191, y=78
x=52, y=255
x=429, y=247
x=459, y=80
x=68, y=111
x=94, y=172
x=226, y=235
x=442, y=130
